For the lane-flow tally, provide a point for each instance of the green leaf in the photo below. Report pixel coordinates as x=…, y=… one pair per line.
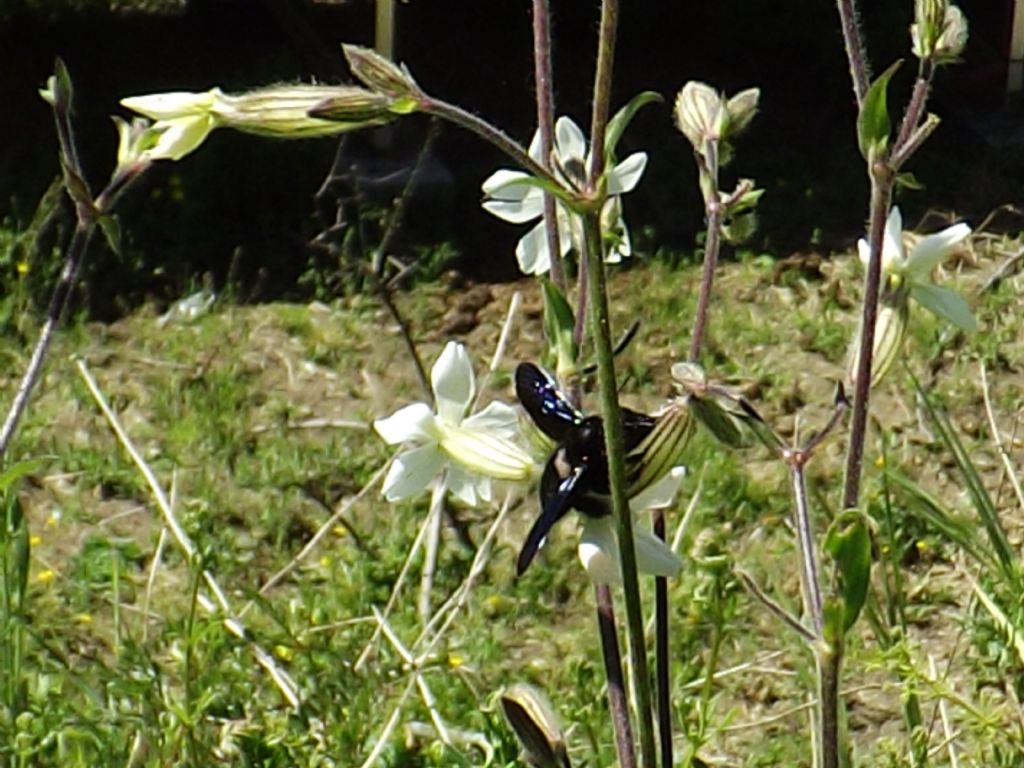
x=849, y=542
x=111, y=231
x=621, y=120
x=60, y=86
x=908, y=180
x=17, y=471
x=559, y=324
x=945, y=303
x=873, y=124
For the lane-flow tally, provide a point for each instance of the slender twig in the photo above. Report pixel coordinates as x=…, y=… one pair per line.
x=787, y=618
x=232, y=623
x=813, y=603
x=662, y=655
x=58, y=302
x=712, y=241
x=433, y=545
x=881, y=195
x=617, y=703
x=1004, y=454
x=323, y=530
x=88, y=213
x=396, y=590
x=855, y=54
x=918, y=99
x=545, y=125
x=489, y=133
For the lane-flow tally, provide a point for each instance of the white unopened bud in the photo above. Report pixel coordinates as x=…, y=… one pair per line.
x=701, y=113
x=939, y=31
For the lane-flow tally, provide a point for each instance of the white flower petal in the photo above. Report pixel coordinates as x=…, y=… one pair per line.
x=452, y=381
x=864, y=251
x=499, y=419
x=484, y=453
x=168, y=106
x=532, y=251
x=570, y=143
x=654, y=556
x=177, y=138
x=520, y=211
x=662, y=493
x=599, y=552
x=931, y=250
x=945, y=303
x=413, y=422
x=412, y=471
x=534, y=150
x=462, y=486
x=625, y=175
x=504, y=184
x=892, y=242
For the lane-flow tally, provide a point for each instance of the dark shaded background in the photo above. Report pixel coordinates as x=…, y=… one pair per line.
x=243, y=206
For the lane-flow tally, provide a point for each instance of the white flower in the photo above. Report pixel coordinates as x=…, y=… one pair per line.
x=913, y=268
x=183, y=119
x=470, y=449
x=519, y=203
x=599, y=540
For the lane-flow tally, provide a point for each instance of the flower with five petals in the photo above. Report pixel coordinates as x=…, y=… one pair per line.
x=910, y=268
x=509, y=199
x=469, y=449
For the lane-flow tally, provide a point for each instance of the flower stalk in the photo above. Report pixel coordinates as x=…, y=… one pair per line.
x=89, y=212
x=545, y=123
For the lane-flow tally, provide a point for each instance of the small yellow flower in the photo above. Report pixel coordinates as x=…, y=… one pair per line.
x=325, y=561
x=284, y=653
x=340, y=531
x=22, y=268
x=84, y=618
x=35, y=540
x=455, y=661
x=46, y=576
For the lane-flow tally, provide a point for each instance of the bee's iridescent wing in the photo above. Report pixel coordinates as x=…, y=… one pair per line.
x=545, y=403
x=554, y=510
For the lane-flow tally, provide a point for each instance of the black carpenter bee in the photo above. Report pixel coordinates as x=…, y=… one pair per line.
x=576, y=475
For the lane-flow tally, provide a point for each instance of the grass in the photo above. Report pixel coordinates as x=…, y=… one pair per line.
x=251, y=417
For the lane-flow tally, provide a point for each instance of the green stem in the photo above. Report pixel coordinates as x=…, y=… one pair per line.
x=881, y=198
x=829, y=663
x=662, y=651
x=492, y=135
x=712, y=243
x=854, y=43
x=601, y=335
x=611, y=416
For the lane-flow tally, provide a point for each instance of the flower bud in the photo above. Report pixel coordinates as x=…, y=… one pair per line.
x=939, y=31
x=383, y=76
x=703, y=114
x=700, y=114
x=531, y=716
x=283, y=110
x=742, y=107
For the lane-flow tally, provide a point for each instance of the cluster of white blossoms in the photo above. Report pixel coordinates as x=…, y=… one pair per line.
x=468, y=451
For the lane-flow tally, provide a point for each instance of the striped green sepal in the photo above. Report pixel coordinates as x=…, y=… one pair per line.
x=662, y=449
